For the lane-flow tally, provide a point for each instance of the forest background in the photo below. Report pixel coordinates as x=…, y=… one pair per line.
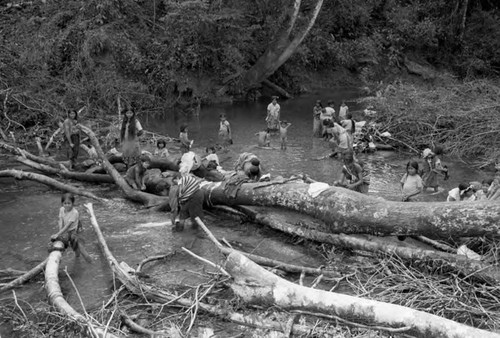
x=431, y=63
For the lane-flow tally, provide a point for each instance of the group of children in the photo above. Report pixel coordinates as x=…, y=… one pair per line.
x=421, y=176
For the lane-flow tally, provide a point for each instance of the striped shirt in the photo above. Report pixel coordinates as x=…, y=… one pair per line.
x=188, y=186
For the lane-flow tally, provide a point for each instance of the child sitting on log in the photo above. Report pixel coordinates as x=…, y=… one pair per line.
x=69, y=226
x=135, y=174
x=161, y=149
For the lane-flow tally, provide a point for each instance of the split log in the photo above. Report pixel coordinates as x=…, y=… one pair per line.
x=346, y=211
x=74, y=175
x=467, y=267
x=148, y=200
x=56, y=297
x=25, y=277
x=152, y=293
x=23, y=175
x=258, y=286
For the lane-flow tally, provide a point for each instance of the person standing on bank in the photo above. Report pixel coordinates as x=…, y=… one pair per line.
x=317, y=126
x=129, y=136
x=72, y=136
x=344, y=109
x=273, y=115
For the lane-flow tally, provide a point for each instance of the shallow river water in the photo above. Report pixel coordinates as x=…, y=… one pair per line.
x=28, y=211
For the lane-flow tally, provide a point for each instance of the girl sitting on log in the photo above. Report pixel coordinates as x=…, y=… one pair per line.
x=69, y=226
x=411, y=183
x=161, y=149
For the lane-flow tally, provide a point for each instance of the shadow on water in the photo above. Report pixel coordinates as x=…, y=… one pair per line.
x=29, y=211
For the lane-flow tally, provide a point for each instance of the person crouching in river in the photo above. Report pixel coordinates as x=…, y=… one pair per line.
x=355, y=176
x=249, y=165
x=186, y=200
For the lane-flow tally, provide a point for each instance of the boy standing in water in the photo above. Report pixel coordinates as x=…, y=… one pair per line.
x=283, y=133
x=69, y=220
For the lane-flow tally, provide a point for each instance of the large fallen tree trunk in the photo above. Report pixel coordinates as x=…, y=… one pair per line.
x=346, y=211
x=56, y=297
x=467, y=267
x=22, y=175
x=149, y=200
x=259, y=286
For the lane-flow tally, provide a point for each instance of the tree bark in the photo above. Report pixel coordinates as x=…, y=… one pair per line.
x=467, y=267
x=258, y=286
x=22, y=175
x=349, y=212
x=278, y=52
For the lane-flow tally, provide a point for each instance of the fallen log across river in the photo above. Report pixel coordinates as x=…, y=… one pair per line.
x=349, y=212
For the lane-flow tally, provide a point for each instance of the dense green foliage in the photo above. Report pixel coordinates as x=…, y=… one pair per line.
x=156, y=53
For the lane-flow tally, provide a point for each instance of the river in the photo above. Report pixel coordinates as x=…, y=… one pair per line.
x=29, y=211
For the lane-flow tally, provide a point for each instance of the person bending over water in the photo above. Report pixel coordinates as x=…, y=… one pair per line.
x=264, y=138
x=249, y=165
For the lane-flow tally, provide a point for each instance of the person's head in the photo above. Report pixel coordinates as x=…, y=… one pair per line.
x=348, y=158
x=427, y=154
x=222, y=117
x=348, y=115
x=318, y=103
x=161, y=143
x=343, y=103
x=412, y=168
x=255, y=162
x=465, y=190
x=183, y=128
x=67, y=201
x=72, y=114
x=330, y=123
x=275, y=99
x=283, y=123
x=210, y=150
x=145, y=161
x=129, y=113
x=331, y=103
x=486, y=184
x=254, y=171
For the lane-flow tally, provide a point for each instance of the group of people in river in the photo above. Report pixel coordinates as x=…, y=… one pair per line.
x=419, y=177
x=184, y=190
